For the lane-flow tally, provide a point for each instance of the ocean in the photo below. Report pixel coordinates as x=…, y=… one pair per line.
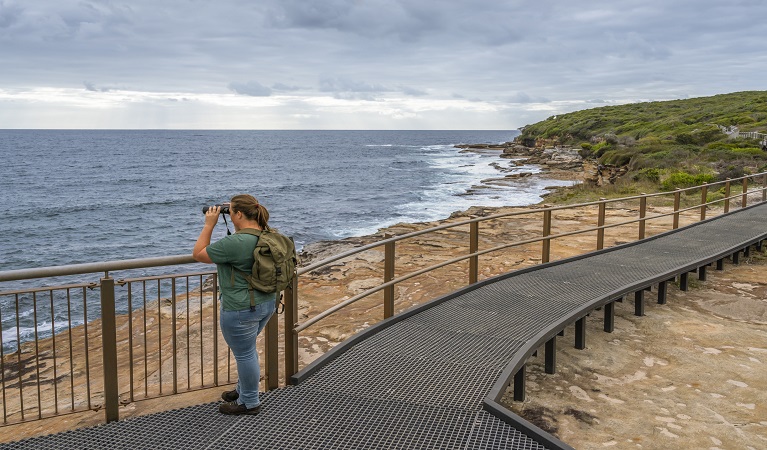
x=82, y=196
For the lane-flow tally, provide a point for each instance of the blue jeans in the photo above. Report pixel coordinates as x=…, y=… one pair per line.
x=240, y=329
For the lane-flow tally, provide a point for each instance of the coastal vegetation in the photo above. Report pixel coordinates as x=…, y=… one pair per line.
x=665, y=145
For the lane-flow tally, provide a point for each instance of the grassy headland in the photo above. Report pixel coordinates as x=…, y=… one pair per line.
x=663, y=145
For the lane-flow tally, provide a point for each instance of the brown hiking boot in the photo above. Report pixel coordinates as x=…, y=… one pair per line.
x=235, y=409
x=230, y=396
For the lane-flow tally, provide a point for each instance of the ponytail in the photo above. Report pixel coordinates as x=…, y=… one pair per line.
x=249, y=206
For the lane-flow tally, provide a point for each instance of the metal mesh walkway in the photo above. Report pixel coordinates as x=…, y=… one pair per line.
x=420, y=380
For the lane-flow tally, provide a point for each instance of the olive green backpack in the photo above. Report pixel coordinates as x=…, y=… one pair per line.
x=274, y=263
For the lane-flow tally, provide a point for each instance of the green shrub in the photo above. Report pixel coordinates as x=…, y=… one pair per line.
x=651, y=174
x=685, y=180
x=749, y=151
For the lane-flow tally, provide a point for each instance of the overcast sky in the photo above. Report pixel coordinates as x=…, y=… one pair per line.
x=363, y=64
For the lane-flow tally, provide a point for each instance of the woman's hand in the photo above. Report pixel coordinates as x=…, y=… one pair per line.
x=211, y=216
x=200, y=252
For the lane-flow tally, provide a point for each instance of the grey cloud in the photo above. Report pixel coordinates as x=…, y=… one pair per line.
x=341, y=84
x=413, y=91
x=92, y=87
x=251, y=88
x=285, y=87
x=522, y=97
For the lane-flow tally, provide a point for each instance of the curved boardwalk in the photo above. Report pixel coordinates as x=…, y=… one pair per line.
x=432, y=377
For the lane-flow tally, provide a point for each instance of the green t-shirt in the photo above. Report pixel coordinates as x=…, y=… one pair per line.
x=235, y=250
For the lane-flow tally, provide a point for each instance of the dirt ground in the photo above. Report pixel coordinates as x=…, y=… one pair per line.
x=690, y=374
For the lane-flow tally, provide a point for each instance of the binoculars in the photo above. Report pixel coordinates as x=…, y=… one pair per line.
x=224, y=208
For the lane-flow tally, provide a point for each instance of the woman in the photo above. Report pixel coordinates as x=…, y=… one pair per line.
x=240, y=324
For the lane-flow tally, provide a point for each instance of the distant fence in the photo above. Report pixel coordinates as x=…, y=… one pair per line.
x=167, y=342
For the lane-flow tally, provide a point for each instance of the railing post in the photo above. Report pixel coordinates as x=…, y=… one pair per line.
x=271, y=349
x=291, y=337
x=601, y=223
x=109, y=349
x=764, y=188
x=173, y=336
x=744, y=198
x=727, y=196
x=546, y=243
x=388, y=276
x=677, y=198
x=473, y=248
x=703, y=201
x=642, y=215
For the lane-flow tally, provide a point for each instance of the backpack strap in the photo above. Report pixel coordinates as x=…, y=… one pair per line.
x=256, y=233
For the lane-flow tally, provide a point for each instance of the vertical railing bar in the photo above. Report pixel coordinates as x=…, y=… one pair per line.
x=71, y=351
x=37, y=358
x=174, y=333
x=55, y=369
x=2, y=368
x=18, y=356
x=159, y=336
x=546, y=243
x=744, y=197
x=642, y=215
x=202, y=346
x=677, y=201
x=188, y=350
x=215, y=330
x=727, y=196
x=130, y=340
x=87, y=348
x=703, y=201
x=146, y=344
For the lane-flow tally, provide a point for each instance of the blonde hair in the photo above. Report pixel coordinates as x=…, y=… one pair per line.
x=250, y=208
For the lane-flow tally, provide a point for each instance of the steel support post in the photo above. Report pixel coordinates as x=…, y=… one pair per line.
x=519, y=384
x=580, y=333
x=551, y=355
x=702, y=273
x=747, y=252
x=720, y=264
x=639, y=303
x=683, y=281
x=109, y=349
x=703, y=201
x=727, y=196
x=662, y=291
x=677, y=202
x=609, y=317
x=736, y=257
